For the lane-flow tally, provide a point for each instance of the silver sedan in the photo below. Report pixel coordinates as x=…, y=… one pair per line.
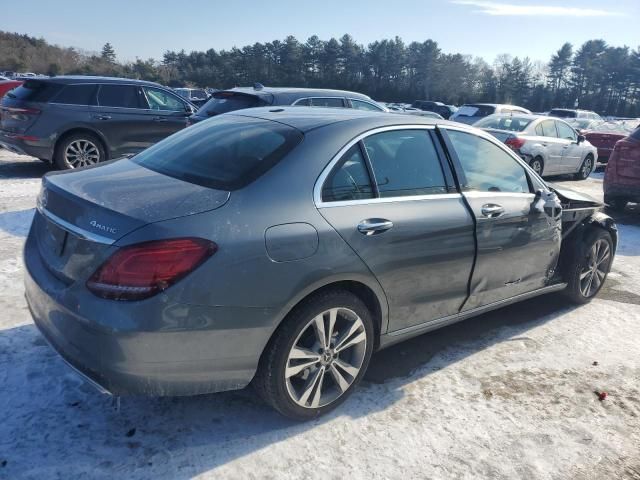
x=550, y=145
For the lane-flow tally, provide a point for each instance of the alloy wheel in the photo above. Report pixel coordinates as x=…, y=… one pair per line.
x=595, y=271
x=81, y=153
x=586, y=167
x=326, y=358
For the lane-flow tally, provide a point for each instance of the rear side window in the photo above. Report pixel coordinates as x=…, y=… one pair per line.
x=405, y=163
x=223, y=102
x=224, y=153
x=36, y=91
x=122, y=96
x=486, y=167
x=304, y=102
x=476, y=110
x=327, y=102
x=350, y=179
x=563, y=113
x=77, y=95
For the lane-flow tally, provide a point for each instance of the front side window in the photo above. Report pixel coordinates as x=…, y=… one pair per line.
x=565, y=131
x=349, y=180
x=486, y=167
x=121, y=96
x=405, y=163
x=327, y=102
x=161, y=100
x=226, y=153
x=360, y=105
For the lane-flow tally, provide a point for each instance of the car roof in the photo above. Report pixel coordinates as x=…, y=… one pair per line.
x=303, y=92
x=310, y=118
x=66, y=79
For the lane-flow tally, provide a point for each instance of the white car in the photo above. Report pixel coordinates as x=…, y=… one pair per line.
x=550, y=145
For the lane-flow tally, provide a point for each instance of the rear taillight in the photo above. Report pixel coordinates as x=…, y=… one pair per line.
x=21, y=111
x=514, y=143
x=145, y=269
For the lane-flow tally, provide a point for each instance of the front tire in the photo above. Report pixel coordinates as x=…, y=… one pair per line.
x=589, y=266
x=79, y=150
x=585, y=169
x=317, y=356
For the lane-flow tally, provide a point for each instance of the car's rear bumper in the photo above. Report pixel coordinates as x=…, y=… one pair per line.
x=199, y=357
x=630, y=192
x=17, y=143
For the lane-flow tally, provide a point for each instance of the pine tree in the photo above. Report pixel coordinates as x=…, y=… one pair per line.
x=108, y=53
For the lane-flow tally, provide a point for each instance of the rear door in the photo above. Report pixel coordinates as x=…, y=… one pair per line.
x=388, y=196
x=552, y=145
x=121, y=115
x=517, y=246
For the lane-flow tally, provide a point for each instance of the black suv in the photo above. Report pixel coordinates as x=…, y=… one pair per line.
x=438, y=107
x=79, y=121
x=238, y=98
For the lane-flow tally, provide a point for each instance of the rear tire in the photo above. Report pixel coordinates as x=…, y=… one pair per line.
x=538, y=165
x=329, y=372
x=585, y=169
x=589, y=266
x=616, y=203
x=78, y=150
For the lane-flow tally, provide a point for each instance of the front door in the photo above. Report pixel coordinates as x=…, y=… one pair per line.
x=517, y=244
x=166, y=114
x=571, y=150
x=388, y=198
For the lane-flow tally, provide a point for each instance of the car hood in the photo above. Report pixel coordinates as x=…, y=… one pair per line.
x=572, y=199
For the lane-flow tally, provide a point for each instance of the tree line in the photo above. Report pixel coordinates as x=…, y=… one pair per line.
x=594, y=76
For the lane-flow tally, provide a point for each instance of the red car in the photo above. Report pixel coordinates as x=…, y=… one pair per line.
x=7, y=85
x=622, y=176
x=604, y=136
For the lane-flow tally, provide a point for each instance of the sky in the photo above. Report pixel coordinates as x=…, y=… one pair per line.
x=145, y=28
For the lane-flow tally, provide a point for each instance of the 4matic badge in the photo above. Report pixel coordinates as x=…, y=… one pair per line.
x=104, y=228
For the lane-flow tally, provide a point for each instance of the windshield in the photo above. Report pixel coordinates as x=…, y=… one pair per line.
x=226, y=153
x=475, y=110
x=223, y=102
x=511, y=123
x=563, y=113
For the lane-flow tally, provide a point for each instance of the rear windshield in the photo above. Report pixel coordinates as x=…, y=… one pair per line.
x=35, y=91
x=511, y=123
x=475, y=110
x=563, y=113
x=223, y=102
x=225, y=153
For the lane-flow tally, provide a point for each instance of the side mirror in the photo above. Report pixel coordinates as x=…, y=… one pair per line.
x=581, y=138
x=546, y=202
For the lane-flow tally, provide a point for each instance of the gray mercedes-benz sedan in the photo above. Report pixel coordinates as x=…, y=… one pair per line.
x=282, y=246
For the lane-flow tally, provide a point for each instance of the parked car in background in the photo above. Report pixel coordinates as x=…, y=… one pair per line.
x=549, y=145
x=622, y=176
x=197, y=96
x=445, y=111
x=604, y=135
x=424, y=113
x=573, y=113
x=239, y=98
x=8, y=85
x=78, y=121
x=200, y=266
x=472, y=112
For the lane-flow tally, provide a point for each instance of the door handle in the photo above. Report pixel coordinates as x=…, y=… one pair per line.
x=374, y=226
x=159, y=119
x=492, y=210
x=102, y=117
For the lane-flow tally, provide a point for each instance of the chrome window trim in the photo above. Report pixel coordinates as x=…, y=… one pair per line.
x=317, y=189
x=373, y=201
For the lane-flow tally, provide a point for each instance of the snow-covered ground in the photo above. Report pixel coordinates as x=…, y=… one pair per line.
x=506, y=395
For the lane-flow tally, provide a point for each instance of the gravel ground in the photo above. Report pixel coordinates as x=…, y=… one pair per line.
x=507, y=395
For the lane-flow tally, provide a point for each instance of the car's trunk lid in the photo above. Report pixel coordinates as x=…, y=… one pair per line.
x=81, y=214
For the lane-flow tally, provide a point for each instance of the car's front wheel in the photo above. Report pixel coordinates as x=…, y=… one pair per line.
x=585, y=168
x=589, y=266
x=317, y=356
x=79, y=150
